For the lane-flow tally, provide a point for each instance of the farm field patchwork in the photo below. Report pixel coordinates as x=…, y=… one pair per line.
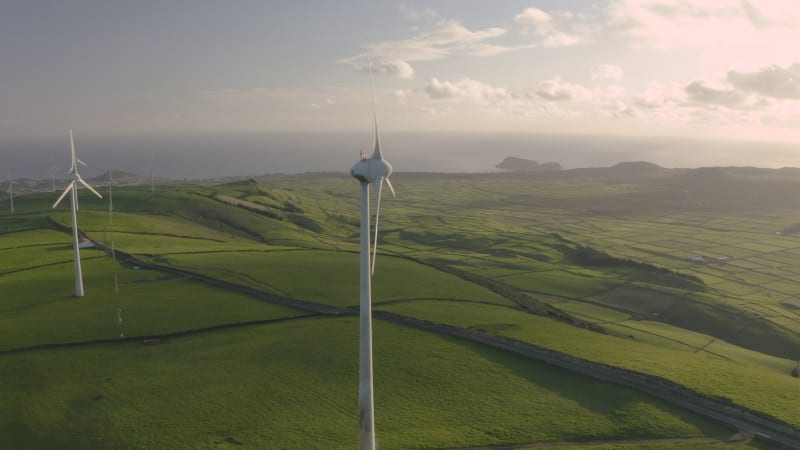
x=487, y=255
x=744, y=383
x=38, y=307
x=335, y=276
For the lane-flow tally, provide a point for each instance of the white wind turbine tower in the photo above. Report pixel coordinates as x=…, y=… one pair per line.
x=72, y=188
x=110, y=196
x=113, y=253
x=368, y=170
x=110, y=207
x=11, y=184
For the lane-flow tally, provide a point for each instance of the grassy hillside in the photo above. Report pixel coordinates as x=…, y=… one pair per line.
x=633, y=271
x=294, y=385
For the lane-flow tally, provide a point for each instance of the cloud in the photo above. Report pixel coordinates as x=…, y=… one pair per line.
x=698, y=92
x=607, y=72
x=773, y=81
x=435, y=111
x=557, y=90
x=417, y=15
x=658, y=95
x=466, y=89
x=772, y=14
x=534, y=17
x=668, y=24
x=621, y=110
x=448, y=38
x=728, y=30
x=403, y=95
x=559, y=29
x=396, y=67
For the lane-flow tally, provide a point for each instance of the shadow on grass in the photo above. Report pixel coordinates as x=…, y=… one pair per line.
x=593, y=395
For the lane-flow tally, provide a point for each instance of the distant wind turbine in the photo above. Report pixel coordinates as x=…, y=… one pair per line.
x=72, y=188
x=114, y=255
x=153, y=169
x=11, y=184
x=110, y=206
x=374, y=170
x=110, y=196
x=52, y=171
x=119, y=307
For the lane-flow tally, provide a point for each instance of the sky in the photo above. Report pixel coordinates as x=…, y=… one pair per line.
x=711, y=69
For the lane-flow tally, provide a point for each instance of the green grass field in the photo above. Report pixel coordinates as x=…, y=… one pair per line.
x=335, y=276
x=485, y=255
x=293, y=385
x=745, y=383
x=38, y=307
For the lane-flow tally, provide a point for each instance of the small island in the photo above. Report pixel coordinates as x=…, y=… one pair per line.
x=526, y=165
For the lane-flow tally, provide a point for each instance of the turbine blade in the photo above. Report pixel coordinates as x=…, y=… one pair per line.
x=63, y=194
x=89, y=187
x=391, y=188
x=80, y=162
x=72, y=147
x=376, y=151
x=378, y=187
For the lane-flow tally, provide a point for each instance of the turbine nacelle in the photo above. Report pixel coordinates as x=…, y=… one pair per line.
x=371, y=170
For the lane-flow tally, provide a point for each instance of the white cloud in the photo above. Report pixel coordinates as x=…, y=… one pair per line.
x=447, y=39
x=559, y=29
x=466, y=89
x=557, y=90
x=398, y=68
x=660, y=95
x=729, y=31
x=773, y=81
x=698, y=92
x=403, y=95
x=667, y=24
x=534, y=17
x=621, y=110
x=607, y=72
x=714, y=52
x=739, y=34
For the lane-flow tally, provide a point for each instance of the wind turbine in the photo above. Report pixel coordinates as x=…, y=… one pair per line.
x=110, y=196
x=72, y=188
x=52, y=171
x=11, y=184
x=368, y=170
x=153, y=169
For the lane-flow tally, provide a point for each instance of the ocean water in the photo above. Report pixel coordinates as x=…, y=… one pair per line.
x=212, y=155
